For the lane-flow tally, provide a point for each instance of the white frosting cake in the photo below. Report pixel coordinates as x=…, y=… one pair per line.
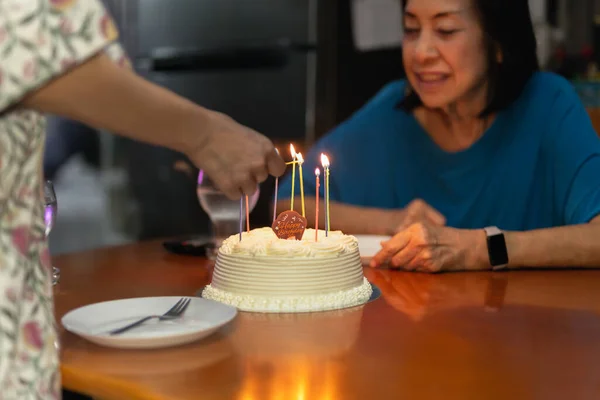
x=266, y=274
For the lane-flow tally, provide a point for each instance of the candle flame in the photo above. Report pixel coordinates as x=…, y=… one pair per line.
x=317, y=171
x=299, y=158
x=324, y=161
x=292, y=151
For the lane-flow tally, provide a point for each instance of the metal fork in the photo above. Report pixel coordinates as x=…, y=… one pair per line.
x=173, y=313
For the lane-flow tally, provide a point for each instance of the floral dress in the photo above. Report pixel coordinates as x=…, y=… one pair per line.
x=39, y=40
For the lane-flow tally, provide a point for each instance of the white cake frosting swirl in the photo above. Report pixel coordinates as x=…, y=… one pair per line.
x=267, y=274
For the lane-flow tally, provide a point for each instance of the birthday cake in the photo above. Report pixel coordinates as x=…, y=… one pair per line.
x=262, y=272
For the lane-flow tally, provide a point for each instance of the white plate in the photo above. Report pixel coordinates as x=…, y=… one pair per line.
x=200, y=319
x=369, y=245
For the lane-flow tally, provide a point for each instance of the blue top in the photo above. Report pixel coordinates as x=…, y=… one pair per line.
x=537, y=166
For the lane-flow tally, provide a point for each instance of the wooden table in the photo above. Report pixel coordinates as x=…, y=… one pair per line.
x=515, y=335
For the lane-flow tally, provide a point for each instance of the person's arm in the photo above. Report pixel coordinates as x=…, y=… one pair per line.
x=57, y=59
x=346, y=218
x=428, y=248
x=565, y=246
x=101, y=94
x=367, y=220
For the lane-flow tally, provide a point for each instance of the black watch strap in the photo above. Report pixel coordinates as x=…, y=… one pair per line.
x=496, y=245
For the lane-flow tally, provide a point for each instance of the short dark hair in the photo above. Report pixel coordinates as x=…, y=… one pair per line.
x=507, y=27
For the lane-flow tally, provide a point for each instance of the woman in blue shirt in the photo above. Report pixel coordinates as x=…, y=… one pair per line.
x=475, y=138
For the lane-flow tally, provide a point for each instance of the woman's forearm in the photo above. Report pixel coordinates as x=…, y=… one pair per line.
x=567, y=246
x=101, y=94
x=346, y=218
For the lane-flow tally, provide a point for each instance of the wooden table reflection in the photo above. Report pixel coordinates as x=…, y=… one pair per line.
x=513, y=335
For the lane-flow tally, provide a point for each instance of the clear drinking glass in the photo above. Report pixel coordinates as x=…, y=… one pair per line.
x=223, y=213
x=50, y=211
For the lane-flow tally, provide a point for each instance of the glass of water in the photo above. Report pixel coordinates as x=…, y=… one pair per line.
x=223, y=212
x=50, y=211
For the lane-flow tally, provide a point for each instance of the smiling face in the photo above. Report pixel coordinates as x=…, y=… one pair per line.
x=444, y=53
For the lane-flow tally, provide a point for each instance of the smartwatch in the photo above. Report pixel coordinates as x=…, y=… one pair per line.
x=496, y=245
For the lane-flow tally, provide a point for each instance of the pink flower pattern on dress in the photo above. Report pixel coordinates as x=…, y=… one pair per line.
x=66, y=27
x=11, y=294
x=66, y=33
x=20, y=239
x=32, y=333
x=29, y=70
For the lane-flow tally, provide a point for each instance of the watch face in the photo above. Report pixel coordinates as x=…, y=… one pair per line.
x=497, y=250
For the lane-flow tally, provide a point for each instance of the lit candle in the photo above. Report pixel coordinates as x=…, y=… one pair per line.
x=325, y=163
x=317, y=173
x=300, y=162
x=293, y=152
x=241, y=216
x=247, y=215
x=276, y=189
